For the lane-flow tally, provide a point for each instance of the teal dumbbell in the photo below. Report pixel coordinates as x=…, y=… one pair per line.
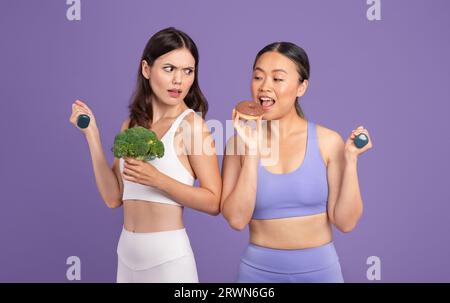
x=361, y=140
x=83, y=121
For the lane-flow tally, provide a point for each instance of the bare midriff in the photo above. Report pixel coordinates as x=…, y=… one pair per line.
x=144, y=216
x=292, y=233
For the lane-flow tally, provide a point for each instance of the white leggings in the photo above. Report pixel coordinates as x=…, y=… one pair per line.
x=157, y=257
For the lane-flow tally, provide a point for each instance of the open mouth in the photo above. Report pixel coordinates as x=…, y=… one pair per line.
x=266, y=102
x=174, y=93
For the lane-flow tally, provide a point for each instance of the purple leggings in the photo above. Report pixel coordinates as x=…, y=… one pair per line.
x=267, y=265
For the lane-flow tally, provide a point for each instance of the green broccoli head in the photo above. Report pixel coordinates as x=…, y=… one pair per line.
x=138, y=142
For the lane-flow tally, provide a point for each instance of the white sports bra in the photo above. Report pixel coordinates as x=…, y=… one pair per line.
x=169, y=164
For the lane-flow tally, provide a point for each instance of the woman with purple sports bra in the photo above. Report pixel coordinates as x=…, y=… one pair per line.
x=154, y=245
x=291, y=194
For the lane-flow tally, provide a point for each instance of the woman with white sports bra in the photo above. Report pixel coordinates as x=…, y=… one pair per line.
x=153, y=245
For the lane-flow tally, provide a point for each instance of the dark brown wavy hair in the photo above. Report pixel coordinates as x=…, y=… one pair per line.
x=164, y=41
x=297, y=55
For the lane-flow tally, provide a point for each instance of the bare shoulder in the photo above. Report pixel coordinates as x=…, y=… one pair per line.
x=330, y=142
x=195, y=122
x=193, y=126
x=328, y=135
x=191, y=134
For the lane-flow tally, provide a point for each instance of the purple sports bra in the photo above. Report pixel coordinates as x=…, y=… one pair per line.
x=301, y=192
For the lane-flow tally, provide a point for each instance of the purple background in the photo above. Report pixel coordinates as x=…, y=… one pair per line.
x=392, y=76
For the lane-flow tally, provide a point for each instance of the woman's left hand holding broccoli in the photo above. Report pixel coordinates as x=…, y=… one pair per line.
x=141, y=172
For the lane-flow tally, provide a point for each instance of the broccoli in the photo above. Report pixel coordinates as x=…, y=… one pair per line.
x=138, y=142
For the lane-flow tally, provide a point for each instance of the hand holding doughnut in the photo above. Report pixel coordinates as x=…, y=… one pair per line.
x=251, y=137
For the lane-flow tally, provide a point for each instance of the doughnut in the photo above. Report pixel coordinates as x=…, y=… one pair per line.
x=249, y=110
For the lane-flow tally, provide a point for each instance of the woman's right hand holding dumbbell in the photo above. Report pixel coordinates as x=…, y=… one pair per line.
x=80, y=108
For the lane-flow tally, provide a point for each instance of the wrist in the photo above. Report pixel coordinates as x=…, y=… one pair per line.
x=251, y=157
x=159, y=181
x=92, y=135
x=351, y=158
x=250, y=161
x=251, y=152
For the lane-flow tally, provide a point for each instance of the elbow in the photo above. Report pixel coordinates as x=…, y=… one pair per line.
x=238, y=227
x=235, y=221
x=232, y=221
x=114, y=204
x=237, y=224
x=346, y=228
x=214, y=211
x=348, y=223
x=215, y=207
